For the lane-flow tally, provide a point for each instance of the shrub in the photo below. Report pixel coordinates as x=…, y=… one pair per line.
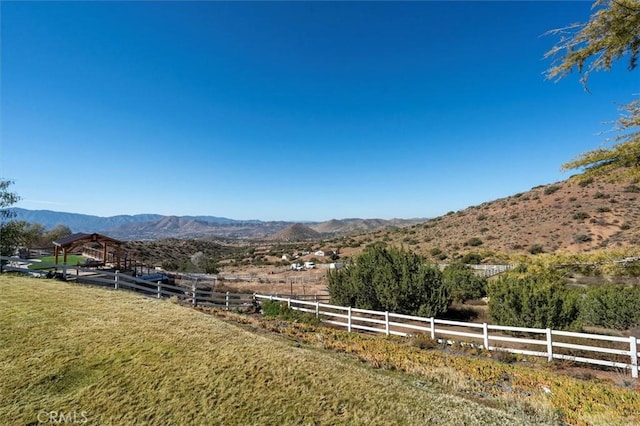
x=611, y=306
x=551, y=189
x=474, y=242
x=580, y=215
x=582, y=238
x=280, y=310
x=538, y=301
x=585, y=182
x=599, y=195
x=603, y=209
x=435, y=251
x=536, y=249
x=471, y=258
x=463, y=283
x=390, y=279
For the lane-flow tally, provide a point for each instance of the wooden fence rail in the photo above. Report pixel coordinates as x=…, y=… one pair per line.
x=609, y=351
x=618, y=352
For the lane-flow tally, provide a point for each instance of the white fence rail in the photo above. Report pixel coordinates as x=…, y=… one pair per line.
x=617, y=352
x=194, y=295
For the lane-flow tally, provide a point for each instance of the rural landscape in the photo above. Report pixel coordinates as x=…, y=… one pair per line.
x=519, y=309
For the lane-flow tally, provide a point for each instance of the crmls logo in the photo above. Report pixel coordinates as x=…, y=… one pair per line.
x=62, y=417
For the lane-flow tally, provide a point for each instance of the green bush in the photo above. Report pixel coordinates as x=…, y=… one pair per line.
x=536, y=249
x=280, y=310
x=540, y=301
x=611, y=306
x=463, y=283
x=390, y=279
x=551, y=189
x=474, y=242
x=580, y=215
x=471, y=258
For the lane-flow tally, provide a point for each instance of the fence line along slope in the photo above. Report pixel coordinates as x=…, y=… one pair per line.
x=118, y=358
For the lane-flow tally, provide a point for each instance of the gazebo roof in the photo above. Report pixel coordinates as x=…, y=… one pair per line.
x=81, y=237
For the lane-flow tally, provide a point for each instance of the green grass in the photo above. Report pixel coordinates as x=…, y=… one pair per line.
x=47, y=261
x=124, y=359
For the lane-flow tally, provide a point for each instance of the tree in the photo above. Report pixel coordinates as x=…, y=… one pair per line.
x=56, y=233
x=527, y=300
x=390, y=279
x=611, y=306
x=612, y=33
x=463, y=283
x=10, y=235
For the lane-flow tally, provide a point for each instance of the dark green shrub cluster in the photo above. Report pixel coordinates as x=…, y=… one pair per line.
x=582, y=238
x=611, y=306
x=533, y=301
x=390, y=279
x=551, y=189
x=280, y=310
x=463, y=283
x=472, y=258
x=580, y=215
x=536, y=249
x=474, y=242
x=585, y=182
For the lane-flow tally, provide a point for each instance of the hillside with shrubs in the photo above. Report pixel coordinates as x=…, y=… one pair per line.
x=572, y=216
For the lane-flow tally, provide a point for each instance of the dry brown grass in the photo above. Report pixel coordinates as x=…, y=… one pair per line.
x=125, y=359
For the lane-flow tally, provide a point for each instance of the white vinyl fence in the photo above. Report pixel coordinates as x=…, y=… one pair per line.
x=609, y=351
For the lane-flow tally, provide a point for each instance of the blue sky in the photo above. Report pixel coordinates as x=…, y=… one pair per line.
x=290, y=110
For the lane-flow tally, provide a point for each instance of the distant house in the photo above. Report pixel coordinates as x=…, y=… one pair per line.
x=309, y=265
x=285, y=257
x=336, y=265
x=319, y=253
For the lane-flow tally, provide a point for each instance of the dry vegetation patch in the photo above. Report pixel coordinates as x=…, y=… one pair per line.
x=125, y=359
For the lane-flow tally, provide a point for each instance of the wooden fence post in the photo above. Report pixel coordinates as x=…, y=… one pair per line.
x=116, y=280
x=485, y=335
x=226, y=301
x=349, y=320
x=633, y=346
x=549, y=346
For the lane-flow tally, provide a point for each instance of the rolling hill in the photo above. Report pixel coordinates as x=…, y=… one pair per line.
x=570, y=216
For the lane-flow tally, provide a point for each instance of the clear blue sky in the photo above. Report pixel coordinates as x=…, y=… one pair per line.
x=290, y=110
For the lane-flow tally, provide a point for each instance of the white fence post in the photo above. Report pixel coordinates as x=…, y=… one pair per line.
x=485, y=335
x=386, y=322
x=226, y=301
x=115, y=279
x=433, y=328
x=633, y=346
x=159, y=290
x=64, y=271
x=317, y=309
x=349, y=320
x=549, y=346
x=193, y=292
x=289, y=302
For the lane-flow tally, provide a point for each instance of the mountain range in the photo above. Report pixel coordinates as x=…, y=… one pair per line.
x=155, y=226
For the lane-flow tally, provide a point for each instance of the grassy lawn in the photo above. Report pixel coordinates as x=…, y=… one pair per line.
x=119, y=358
x=72, y=259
